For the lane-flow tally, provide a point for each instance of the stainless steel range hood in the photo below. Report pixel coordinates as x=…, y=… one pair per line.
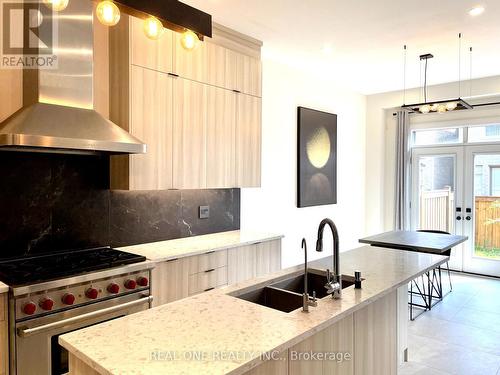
x=63, y=119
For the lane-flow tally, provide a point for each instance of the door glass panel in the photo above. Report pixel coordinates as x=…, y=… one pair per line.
x=436, y=193
x=487, y=206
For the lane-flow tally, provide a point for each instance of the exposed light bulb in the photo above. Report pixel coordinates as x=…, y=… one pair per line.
x=189, y=40
x=107, y=13
x=56, y=5
x=476, y=11
x=441, y=108
x=153, y=28
x=425, y=108
x=451, y=106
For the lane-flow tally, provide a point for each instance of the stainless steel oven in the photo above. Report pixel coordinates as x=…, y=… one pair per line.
x=34, y=346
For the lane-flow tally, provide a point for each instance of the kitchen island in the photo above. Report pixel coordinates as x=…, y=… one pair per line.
x=218, y=333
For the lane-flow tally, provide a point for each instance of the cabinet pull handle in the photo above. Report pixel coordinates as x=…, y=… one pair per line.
x=206, y=290
x=237, y=91
x=210, y=270
x=210, y=252
x=172, y=260
x=173, y=75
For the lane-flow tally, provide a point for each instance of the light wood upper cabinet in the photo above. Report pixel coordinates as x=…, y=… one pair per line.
x=189, y=134
x=148, y=53
x=221, y=133
x=243, y=73
x=248, y=141
x=198, y=112
x=151, y=122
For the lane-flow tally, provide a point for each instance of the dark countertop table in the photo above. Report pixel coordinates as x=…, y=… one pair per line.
x=423, y=242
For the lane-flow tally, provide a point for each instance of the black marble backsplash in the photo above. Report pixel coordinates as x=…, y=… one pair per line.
x=54, y=202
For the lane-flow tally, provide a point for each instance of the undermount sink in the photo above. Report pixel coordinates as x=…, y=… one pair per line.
x=286, y=295
x=315, y=283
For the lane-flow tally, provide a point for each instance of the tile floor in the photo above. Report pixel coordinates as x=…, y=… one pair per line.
x=460, y=335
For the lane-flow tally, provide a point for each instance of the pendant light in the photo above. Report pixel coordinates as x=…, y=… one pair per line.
x=108, y=13
x=56, y=5
x=189, y=40
x=153, y=28
x=437, y=106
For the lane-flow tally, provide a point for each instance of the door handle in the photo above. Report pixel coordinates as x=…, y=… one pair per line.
x=25, y=332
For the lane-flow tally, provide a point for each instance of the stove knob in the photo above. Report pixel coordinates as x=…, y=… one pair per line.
x=142, y=281
x=130, y=284
x=29, y=308
x=46, y=304
x=68, y=299
x=92, y=293
x=113, y=288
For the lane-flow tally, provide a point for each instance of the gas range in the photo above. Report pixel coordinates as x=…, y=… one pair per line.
x=57, y=293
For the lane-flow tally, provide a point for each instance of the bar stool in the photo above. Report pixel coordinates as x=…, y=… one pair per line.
x=434, y=287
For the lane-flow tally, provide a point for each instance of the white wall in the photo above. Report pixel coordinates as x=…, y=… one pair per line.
x=272, y=208
x=380, y=145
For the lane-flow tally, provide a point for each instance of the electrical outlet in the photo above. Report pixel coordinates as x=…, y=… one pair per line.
x=204, y=212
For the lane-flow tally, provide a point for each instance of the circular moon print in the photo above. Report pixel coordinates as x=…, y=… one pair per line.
x=318, y=148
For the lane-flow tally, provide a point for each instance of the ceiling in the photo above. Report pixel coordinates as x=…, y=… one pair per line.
x=366, y=37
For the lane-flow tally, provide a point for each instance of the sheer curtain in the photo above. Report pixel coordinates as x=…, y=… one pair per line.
x=402, y=211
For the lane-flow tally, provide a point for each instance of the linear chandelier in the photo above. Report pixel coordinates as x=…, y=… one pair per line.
x=436, y=106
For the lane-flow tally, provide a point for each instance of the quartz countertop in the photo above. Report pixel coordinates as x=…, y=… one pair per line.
x=182, y=247
x=227, y=335
x=3, y=288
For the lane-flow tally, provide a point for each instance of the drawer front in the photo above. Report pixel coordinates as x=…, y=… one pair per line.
x=203, y=281
x=208, y=261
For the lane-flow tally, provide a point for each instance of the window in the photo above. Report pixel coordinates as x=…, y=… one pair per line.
x=437, y=136
x=488, y=133
x=495, y=181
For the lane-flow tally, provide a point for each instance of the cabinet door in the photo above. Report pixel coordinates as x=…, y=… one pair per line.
x=221, y=132
x=338, y=338
x=216, y=64
x=268, y=257
x=189, y=134
x=241, y=264
x=170, y=281
x=243, y=73
x=248, y=141
x=190, y=64
x=151, y=122
x=375, y=337
x=153, y=54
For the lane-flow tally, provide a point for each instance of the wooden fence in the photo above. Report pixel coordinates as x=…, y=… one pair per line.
x=437, y=210
x=487, y=222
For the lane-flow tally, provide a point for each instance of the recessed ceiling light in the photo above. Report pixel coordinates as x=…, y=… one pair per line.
x=476, y=11
x=327, y=49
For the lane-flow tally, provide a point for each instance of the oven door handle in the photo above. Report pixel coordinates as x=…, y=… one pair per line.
x=25, y=332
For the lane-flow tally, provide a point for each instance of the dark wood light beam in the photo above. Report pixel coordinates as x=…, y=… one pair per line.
x=174, y=15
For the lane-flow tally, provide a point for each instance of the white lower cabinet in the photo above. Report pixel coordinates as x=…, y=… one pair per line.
x=183, y=277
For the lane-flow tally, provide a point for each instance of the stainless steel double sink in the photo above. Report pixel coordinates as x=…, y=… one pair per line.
x=286, y=295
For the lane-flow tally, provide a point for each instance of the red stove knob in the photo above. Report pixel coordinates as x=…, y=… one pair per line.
x=92, y=293
x=46, y=304
x=142, y=281
x=29, y=308
x=113, y=288
x=130, y=284
x=68, y=299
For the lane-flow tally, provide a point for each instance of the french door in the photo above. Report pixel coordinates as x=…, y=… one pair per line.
x=456, y=189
